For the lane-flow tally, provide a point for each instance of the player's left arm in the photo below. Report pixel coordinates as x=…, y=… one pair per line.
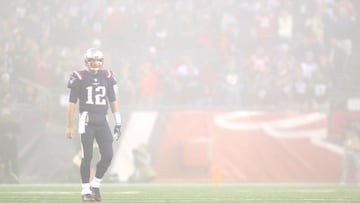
x=114, y=106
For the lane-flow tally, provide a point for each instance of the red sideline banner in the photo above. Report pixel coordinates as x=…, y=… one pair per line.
x=248, y=146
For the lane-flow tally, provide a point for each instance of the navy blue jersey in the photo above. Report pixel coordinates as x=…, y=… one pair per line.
x=93, y=92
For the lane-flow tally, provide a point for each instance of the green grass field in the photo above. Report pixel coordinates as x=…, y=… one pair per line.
x=183, y=193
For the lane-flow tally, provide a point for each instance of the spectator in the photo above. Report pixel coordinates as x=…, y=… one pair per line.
x=188, y=75
x=309, y=66
x=351, y=144
x=231, y=84
x=148, y=85
x=7, y=90
x=8, y=147
x=143, y=171
x=210, y=32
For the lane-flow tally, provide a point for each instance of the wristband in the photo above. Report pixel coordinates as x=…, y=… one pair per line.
x=117, y=118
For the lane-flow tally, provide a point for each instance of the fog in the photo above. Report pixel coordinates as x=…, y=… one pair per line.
x=214, y=90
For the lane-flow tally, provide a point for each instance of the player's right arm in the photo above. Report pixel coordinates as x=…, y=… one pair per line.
x=73, y=84
x=70, y=120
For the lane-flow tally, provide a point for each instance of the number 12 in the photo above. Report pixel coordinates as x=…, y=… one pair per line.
x=100, y=93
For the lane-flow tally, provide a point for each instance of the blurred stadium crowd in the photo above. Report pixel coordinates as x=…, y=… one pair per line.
x=200, y=53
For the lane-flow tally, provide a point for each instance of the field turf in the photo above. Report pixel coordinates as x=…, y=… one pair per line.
x=183, y=193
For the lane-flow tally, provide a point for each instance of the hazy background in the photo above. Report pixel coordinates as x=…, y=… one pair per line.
x=170, y=56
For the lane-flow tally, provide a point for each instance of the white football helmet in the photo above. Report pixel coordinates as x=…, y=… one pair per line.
x=94, y=59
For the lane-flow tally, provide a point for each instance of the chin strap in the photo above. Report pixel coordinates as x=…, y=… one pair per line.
x=94, y=69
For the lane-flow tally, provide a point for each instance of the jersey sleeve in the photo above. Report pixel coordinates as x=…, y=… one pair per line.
x=111, y=78
x=74, y=85
x=112, y=86
x=74, y=80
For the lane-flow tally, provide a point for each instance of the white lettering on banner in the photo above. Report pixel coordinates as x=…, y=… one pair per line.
x=290, y=127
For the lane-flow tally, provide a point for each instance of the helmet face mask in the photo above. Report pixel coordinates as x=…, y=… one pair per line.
x=94, y=60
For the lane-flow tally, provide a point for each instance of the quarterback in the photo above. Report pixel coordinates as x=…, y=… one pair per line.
x=93, y=88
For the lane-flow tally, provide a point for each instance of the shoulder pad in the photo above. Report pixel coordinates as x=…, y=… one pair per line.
x=109, y=73
x=78, y=75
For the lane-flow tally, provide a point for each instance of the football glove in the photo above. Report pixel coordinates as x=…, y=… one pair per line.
x=117, y=132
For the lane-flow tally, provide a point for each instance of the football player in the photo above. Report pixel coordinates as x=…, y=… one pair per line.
x=94, y=89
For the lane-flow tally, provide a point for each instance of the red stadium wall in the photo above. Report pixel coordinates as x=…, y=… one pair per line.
x=247, y=147
x=336, y=120
x=202, y=146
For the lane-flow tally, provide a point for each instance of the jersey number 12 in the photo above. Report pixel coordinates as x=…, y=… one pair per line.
x=99, y=95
